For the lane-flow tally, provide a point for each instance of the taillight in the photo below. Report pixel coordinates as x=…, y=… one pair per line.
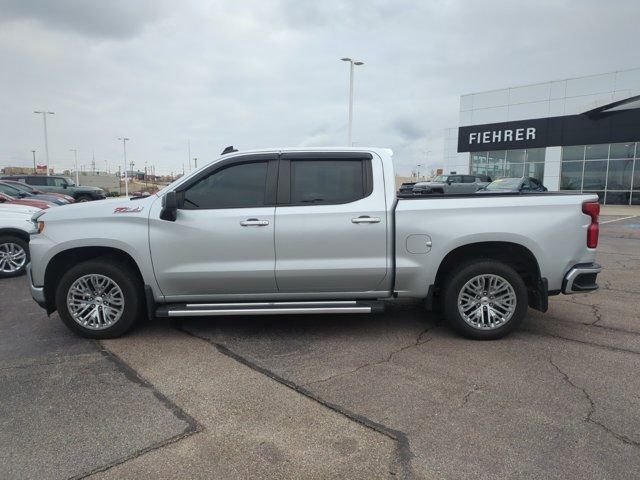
x=593, y=210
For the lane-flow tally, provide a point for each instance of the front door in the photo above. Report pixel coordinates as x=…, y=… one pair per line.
x=221, y=242
x=56, y=185
x=331, y=224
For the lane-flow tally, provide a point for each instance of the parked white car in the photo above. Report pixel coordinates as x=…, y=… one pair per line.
x=15, y=228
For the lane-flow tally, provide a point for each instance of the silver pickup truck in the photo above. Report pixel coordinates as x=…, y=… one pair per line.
x=295, y=231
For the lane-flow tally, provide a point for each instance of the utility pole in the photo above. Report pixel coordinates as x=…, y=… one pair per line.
x=93, y=163
x=352, y=64
x=75, y=154
x=418, y=166
x=195, y=163
x=126, y=177
x=35, y=170
x=189, y=152
x=44, y=114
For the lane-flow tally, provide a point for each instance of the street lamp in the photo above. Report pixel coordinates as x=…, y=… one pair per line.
x=126, y=177
x=418, y=167
x=352, y=63
x=46, y=139
x=75, y=154
x=35, y=170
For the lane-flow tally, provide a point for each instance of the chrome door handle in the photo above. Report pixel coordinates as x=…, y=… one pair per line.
x=365, y=219
x=254, y=222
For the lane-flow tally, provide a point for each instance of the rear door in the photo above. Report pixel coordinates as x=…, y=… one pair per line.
x=331, y=224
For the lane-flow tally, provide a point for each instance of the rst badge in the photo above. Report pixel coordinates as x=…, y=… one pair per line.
x=128, y=210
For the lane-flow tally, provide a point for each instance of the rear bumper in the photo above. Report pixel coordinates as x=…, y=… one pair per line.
x=37, y=293
x=581, y=278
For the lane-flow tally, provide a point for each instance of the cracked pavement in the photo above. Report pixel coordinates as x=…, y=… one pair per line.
x=396, y=395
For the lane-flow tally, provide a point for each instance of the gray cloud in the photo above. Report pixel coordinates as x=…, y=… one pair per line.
x=408, y=128
x=259, y=74
x=107, y=19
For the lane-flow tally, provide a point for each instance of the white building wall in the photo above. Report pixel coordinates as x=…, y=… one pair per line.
x=549, y=99
x=552, y=158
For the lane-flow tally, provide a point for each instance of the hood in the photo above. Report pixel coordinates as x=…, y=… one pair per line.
x=109, y=208
x=17, y=209
x=88, y=189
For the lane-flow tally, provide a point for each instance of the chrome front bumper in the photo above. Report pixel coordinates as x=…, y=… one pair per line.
x=581, y=278
x=37, y=293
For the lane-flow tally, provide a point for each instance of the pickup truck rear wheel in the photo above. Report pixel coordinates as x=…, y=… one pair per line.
x=99, y=298
x=485, y=300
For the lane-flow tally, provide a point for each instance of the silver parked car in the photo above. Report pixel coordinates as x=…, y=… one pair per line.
x=452, y=184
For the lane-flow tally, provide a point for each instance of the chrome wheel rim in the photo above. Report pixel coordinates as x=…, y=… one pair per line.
x=12, y=257
x=95, y=301
x=487, y=302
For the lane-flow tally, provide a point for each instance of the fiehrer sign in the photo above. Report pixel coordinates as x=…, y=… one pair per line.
x=583, y=129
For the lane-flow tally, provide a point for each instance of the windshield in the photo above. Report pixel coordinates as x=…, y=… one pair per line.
x=20, y=186
x=441, y=178
x=504, y=184
x=70, y=182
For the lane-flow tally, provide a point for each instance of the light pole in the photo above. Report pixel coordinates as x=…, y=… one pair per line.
x=418, y=167
x=126, y=177
x=189, y=152
x=35, y=170
x=75, y=154
x=44, y=114
x=352, y=64
x=195, y=163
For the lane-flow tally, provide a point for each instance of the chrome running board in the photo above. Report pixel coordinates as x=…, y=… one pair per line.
x=267, y=308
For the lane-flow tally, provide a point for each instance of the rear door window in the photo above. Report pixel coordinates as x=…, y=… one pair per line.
x=36, y=180
x=331, y=181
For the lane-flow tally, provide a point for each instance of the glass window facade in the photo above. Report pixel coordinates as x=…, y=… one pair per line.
x=610, y=170
x=509, y=163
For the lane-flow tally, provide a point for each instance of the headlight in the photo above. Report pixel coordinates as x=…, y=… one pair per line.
x=40, y=227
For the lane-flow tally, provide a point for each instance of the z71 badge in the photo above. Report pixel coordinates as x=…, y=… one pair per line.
x=128, y=210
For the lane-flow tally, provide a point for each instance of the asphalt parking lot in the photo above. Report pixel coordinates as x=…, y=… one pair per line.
x=396, y=395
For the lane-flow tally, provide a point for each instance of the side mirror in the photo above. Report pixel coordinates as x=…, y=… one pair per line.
x=449, y=182
x=169, y=207
x=65, y=186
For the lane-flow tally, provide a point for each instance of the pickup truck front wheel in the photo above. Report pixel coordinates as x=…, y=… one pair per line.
x=485, y=300
x=99, y=299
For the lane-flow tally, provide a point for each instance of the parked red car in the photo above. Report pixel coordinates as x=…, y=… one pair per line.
x=41, y=204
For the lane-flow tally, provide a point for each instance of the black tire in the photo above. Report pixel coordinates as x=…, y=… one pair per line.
x=13, y=240
x=83, y=198
x=123, y=276
x=464, y=273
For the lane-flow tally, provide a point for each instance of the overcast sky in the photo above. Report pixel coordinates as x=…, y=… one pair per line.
x=260, y=73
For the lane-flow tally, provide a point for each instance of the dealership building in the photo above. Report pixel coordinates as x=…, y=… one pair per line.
x=579, y=134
